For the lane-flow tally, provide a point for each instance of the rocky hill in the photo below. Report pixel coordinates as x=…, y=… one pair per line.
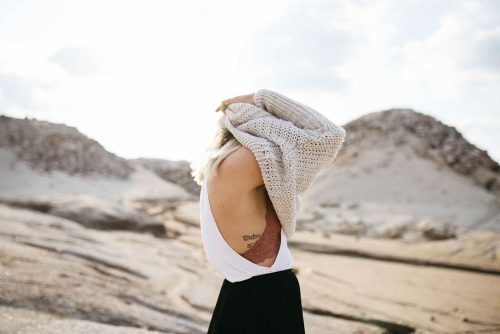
x=177, y=172
x=429, y=138
x=403, y=174
x=40, y=158
x=48, y=147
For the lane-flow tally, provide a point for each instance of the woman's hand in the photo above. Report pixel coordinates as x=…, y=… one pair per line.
x=237, y=99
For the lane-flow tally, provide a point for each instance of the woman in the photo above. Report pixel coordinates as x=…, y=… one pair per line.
x=268, y=148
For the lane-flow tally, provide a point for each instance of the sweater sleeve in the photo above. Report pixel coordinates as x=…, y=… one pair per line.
x=298, y=113
x=318, y=136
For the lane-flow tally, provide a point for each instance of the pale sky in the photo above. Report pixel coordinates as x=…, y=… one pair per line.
x=143, y=78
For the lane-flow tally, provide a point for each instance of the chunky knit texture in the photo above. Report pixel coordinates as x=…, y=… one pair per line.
x=291, y=143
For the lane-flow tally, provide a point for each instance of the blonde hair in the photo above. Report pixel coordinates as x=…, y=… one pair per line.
x=222, y=145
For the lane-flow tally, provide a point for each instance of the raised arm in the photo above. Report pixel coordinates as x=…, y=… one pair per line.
x=277, y=123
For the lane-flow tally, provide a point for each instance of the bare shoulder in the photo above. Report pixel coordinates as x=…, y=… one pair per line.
x=242, y=169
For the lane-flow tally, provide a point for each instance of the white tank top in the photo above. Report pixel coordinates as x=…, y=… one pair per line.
x=229, y=263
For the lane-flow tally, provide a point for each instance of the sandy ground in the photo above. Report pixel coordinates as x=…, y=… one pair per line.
x=56, y=274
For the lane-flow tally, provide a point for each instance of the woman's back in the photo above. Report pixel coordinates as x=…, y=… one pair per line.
x=245, y=217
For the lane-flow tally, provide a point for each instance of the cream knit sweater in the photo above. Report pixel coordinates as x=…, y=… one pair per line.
x=291, y=143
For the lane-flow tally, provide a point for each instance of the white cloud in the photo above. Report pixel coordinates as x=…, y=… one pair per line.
x=75, y=61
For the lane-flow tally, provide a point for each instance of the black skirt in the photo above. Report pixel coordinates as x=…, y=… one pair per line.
x=269, y=303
